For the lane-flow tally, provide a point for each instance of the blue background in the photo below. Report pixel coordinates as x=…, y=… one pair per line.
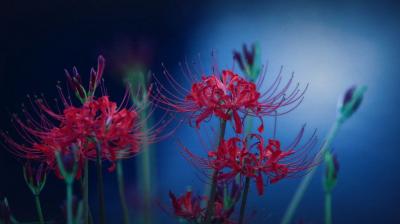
x=331, y=45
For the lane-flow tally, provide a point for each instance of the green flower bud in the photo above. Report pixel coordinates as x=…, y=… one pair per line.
x=331, y=171
x=249, y=61
x=351, y=101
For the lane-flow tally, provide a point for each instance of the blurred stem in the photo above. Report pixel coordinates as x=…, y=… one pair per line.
x=213, y=190
x=70, y=217
x=39, y=209
x=100, y=186
x=294, y=203
x=86, y=192
x=137, y=79
x=328, y=208
x=121, y=188
x=145, y=163
x=244, y=200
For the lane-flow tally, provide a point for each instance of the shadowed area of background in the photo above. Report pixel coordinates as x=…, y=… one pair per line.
x=329, y=45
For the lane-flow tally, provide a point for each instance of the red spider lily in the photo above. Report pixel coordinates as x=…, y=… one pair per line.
x=77, y=131
x=257, y=160
x=224, y=95
x=98, y=122
x=189, y=207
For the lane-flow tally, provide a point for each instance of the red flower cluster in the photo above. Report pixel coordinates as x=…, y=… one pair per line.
x=97, y=125
x=244, y=157
x=225, y=95
x=190, y=207
x=187, y=206
x=223, y=98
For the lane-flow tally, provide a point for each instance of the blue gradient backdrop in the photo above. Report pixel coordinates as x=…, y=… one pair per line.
x=329, y=44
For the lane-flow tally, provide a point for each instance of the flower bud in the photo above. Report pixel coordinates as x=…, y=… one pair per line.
x=35, y=176
x=249, y=61
x=331, y=171
x=351, y=101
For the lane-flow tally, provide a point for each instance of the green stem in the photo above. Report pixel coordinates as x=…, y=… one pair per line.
x=244, y=200
x=294, y=203
x=70, y=216
x=86, y=192
x=100, y=186
x=146, y=179
x=213, y=190
x=39, y=209
x=121, y=188
x=328, y=208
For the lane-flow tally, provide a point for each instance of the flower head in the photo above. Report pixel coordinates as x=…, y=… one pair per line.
x=187, y=206
x=191, y=208
x=77, y=131
x=225, y=95
x=254, y=158
x=223, y=98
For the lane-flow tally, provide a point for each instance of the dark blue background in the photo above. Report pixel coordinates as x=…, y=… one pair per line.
x=330, y=45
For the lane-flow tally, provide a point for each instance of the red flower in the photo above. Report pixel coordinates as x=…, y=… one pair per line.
x=224, y=98
x=225, y=95
x=257, y=160
x=76, y=132
x=189, y=207
x=99, y=123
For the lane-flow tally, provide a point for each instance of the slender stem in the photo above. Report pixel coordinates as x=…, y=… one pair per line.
x=210, y=203
x=213, y=190
x=146, y=170
x=328, y=208
x=39, y=209
x=146, y=178
x=100, y=186
x=294, y=203
x=86, y=192
x=121, y=188
x=70, y=216
x=244, y=200
x=249, y=126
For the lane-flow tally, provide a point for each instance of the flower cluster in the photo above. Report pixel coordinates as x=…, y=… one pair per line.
x=191, y=208
x=256, y=160
x=99, y=125
x=222, y=97
x=65, y=137
x=245, y=156
x=225, y=94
